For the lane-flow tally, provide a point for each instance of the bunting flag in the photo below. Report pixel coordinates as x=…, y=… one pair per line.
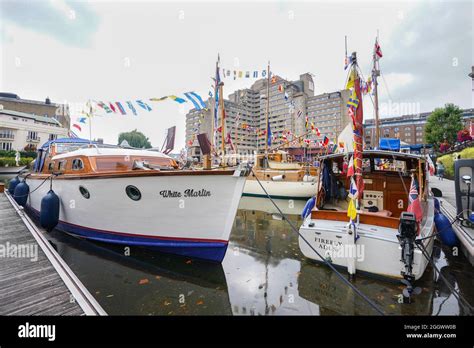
x=75, y=125
x=286, y=96
x=177, y=99
x=71, y=134
x=350, y=167
x=143, y=105
x=306, y=125
x=104, y=106
x=121, y=108
x=325, y=141
x=131, y=107
x=347, y=62
x=281, y=88
x=377, y=50
x=196, y=100
x=274, y=80
x=112, y=107
x=353, y=100
x=159, y=99
x=350, y=80
x=299, y=113
x=82, y=120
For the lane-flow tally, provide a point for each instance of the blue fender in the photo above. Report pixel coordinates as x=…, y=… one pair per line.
x=445, y=230
x=308, y=207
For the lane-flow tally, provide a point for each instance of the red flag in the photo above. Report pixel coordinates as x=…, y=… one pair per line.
x=77, y=126
x=325, y=141
x=350, y=167
x=378, y=50
x=112, y=107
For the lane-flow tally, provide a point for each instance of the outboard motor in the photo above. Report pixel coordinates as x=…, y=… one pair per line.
x=22, y=190
x=13, y=184
x=407, y=231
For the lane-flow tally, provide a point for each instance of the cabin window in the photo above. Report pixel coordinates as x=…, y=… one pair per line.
x=50, y=166
x=77, y=164
x=390, y=165
x=62, y=165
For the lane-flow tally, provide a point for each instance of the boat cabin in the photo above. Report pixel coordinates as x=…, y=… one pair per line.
x=387, y=178
x=80, y=158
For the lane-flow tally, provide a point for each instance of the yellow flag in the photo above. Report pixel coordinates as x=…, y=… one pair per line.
x=350, y=81
x=351, y=210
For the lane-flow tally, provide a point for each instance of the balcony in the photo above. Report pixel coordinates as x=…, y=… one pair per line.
x=6, y=136
x=33, y=140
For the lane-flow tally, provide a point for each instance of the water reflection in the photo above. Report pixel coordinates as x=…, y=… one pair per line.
x=263, y=273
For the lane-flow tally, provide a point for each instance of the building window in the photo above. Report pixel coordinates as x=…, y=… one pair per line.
x=6, y=133
x=6, y=146
x=32, y=135
x=53, y=137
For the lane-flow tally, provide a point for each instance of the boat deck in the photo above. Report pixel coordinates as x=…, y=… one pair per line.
x=37, y=282
x=464, y=234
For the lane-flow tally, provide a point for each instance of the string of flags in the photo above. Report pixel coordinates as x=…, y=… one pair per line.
x=132, y=107
x=240, y=74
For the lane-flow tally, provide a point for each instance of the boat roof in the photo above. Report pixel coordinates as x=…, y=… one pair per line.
x=67, y=141
x=379, y=153
x=99, y=152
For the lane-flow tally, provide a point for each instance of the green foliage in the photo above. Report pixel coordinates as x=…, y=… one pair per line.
x=135, y=139
x=448, y=160
x=10, y=161
x=12, y=153
x=443, y=123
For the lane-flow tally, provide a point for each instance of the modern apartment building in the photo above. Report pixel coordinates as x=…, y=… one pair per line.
x=290, y=103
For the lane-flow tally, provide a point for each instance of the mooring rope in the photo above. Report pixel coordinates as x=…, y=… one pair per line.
x=344, y=280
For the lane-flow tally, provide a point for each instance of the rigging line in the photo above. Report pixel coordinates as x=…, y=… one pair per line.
x=393, y=157
x=352, y=286
x=455, y=293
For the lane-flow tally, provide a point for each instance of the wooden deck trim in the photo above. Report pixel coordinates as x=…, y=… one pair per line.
x=135, y=173
x=368, y=219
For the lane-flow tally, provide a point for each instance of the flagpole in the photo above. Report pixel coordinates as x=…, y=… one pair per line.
x=267, y=109
x=375, y=74
x=221, y=102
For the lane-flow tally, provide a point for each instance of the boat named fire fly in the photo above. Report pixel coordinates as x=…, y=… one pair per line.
x=136, y=197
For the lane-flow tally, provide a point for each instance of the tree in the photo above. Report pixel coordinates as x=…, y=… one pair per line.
x=443, y=124
x=135, y=139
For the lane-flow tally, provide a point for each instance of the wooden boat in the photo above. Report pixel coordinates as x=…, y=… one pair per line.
x=371, y=215
x=281, y=178
x=137, y=197
x=378, y=249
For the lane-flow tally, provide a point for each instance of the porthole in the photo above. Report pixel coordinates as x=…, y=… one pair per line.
x=133, y=192
x=84, y=192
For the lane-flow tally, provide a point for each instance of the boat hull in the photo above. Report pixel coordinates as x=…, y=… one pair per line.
x=376, y=252
x=190, y=215
x=281, y=189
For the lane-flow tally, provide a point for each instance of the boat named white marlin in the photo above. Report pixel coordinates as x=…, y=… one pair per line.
x=136, y=197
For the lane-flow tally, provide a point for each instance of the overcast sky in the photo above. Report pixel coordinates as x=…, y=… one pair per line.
x=126, y=50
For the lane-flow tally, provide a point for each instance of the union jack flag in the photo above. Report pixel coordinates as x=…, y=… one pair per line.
x=414, y=205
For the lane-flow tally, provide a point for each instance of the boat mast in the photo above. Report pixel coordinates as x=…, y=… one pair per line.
x=221, y=102
x=375, y=74
x=267, y=109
